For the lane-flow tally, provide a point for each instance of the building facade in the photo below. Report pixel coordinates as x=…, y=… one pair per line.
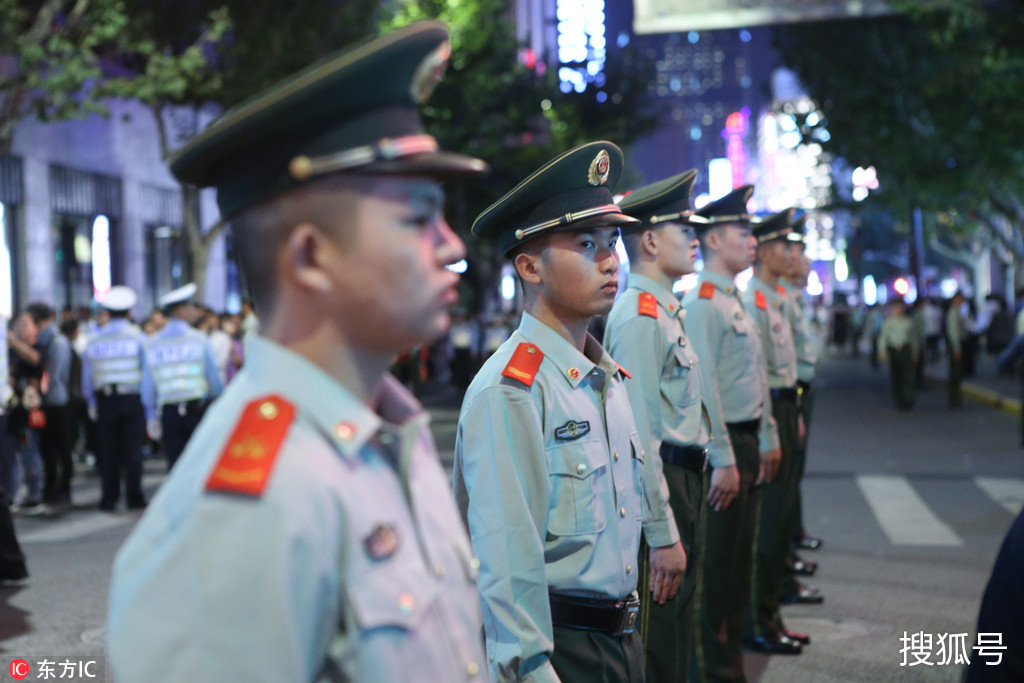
x=88, y=204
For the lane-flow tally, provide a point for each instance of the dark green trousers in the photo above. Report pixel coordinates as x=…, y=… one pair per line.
x=774, y=529
x=591, y=657
x=902, y=376
x=726, y=538
x=667, y=630
x=806, y=409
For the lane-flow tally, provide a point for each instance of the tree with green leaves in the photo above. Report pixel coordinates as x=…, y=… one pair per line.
x=493, y=106
x=932, y=98
x=50, y=55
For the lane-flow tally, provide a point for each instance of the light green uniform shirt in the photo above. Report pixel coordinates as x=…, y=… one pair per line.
x=351, y=565
x=803, y=337
x=956, y=329
x=731, y=363
x=549, y=477
x=665, y=389
x=897, y=333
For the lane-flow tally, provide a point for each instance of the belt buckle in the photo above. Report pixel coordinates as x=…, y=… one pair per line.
x=182, y=409
x=630, y=611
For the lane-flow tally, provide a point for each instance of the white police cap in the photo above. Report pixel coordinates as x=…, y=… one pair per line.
x=119, y=298
x=178, y=296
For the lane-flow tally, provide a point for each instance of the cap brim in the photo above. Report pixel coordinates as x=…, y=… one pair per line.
x=442, y=165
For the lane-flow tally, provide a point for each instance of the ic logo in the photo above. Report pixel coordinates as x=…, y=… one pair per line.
x=19, y=669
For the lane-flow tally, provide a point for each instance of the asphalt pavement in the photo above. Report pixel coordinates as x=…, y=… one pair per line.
x=912, y=507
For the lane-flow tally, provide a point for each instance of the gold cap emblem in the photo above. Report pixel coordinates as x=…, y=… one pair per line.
x=599, y=169
x=429, y=72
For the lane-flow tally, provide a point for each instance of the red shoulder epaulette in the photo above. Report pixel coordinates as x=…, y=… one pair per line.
x=623, y=371
x=524, y=364
x=760, y=301
x=780, y=289
x=707, y=291
x=248, y=457
x=648, y=304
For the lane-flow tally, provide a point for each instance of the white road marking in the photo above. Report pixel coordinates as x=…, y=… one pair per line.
x=1008, y=492
x=88, y=524
x=904, y=517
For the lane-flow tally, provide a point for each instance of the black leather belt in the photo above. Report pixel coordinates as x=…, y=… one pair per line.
x=788, y=394
x=185, y=407
x=691, y=457
x=748, y=426
x=118, y=390
x=610, y=617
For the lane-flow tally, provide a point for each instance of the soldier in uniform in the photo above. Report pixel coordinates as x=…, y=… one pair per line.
x=645, y=333
x=806, y=370
x=735, y=393
x=548, y=462
x=765, y=300
x=183, y=375
x=899, y=344
x=308, y=533
x=113, y=373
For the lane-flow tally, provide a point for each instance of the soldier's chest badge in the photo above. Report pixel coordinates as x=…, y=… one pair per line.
x=381, y=543
x=572, y=430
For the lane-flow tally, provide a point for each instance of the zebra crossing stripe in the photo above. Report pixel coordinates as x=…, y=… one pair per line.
x=903, y=515
x=56, y=531
x=1008, y=492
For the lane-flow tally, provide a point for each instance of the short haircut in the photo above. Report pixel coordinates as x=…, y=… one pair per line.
x=260, y=232
x=39, y=312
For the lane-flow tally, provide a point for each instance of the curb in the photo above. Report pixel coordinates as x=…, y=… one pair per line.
x=984, y=396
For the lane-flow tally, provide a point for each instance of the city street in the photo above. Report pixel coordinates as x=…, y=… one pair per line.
x=912, y=508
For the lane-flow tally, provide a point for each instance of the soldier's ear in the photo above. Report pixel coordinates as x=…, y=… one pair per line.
x=306, y=257
x=528, y=267
x=649, y=241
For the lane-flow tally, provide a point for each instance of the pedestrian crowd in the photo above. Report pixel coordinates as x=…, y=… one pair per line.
x=84, y=390
x=912, y=336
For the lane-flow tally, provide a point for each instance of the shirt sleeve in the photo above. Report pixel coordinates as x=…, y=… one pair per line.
x=191, y=600
x=212, y=373
x=769, y=434
x=88, y=391
x=704, y=328
x=501, y=487
x=148, y=388
x=638, y=345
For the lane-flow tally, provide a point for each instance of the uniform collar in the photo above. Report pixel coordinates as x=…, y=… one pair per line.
x=116, y=325
x=344, y=419
x=666, y=299
x=175, y=326
x=771, y=294
x=727, y=285
x=571, y=364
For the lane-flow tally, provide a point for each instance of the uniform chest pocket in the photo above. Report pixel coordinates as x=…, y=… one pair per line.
x=739, y=327
x=579, y=478
x=391, y=595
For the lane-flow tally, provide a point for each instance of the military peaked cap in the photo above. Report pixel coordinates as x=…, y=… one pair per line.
x=356, y=111
x=777, y=226
x=661, y=202
x=573, y=191
x=732, y=208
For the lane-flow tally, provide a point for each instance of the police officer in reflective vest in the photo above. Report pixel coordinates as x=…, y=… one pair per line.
x=184, y=375
x=112, y=385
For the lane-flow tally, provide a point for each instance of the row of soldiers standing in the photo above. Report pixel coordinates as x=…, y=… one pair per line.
x=134, y=385
x=722, y=380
